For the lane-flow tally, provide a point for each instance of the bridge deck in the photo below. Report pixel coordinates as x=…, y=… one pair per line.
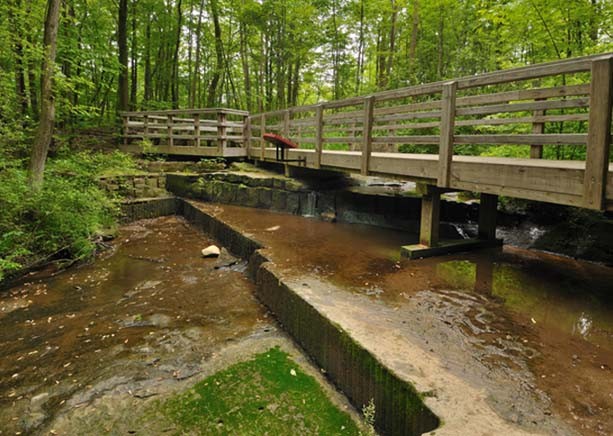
x=552, y=181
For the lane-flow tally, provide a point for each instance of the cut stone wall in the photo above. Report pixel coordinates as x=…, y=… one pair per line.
x=136, y=186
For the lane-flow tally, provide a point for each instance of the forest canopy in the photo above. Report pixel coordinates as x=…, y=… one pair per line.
x=270, y=54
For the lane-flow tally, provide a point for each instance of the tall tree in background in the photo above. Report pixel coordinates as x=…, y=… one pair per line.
x=44, y=132
x=123, y=96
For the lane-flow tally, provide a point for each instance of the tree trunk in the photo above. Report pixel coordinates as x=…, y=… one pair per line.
x=175, y=59
x=134, y=70
x=195, y=82
x=122, y=42
x=147, y=91
x=414, y=34
x=212, y=93
x=242, y=30
x=47, y=117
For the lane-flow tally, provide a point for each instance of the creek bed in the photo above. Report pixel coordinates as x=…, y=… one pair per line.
x=93, y=348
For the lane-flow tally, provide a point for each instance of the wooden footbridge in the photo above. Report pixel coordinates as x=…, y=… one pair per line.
x=434, y=133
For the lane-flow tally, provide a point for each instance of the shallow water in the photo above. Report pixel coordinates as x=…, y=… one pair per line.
x=150, y=308
x=544, y=320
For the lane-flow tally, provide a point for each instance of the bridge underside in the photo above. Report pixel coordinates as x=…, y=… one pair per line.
x=551, y=181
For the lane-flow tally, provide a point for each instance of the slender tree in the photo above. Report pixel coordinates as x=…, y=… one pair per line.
x=47, y=116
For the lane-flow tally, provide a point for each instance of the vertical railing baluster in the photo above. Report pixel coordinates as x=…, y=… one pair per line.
x=171, y=142
x=319, y=130
x=197, y=130
x=369, y=103
x=445, y=152
x=599, y=134
x=222, y=141
x=247, y=134
x=262, y=131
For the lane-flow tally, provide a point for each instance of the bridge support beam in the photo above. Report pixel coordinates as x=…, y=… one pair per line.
x=429, y=242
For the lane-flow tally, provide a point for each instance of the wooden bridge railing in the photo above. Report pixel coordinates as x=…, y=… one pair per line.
x=562, y=104
x=211, y=130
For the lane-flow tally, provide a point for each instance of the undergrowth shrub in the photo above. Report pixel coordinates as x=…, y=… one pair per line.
x=60, y=221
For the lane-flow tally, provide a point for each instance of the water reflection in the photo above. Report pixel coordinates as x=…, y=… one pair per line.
x=560, y=299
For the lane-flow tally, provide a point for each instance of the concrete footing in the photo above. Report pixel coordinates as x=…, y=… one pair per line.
x=418, y=251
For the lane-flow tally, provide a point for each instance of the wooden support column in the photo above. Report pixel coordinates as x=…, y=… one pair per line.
x=536, y=151
x=445, y=152
x=488, y=208
x=171, y=141
x=599, y=134
x=197, y=130
x=369, y=103
x=430, y=218
x=319, y=134
x=222, y=141
x=262, y=131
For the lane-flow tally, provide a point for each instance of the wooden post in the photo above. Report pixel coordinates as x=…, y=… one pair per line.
x=599, y=134
x=488, y=208
x=247, y=133
x=286, y=118
x=445, y=152
x=222, y=142
x=262, y=141
x=319, y=134
x=197, y=130
x=146, y=129
x=369, y=103
x=170, y=138
x=126, y=121
x=536, y=151
x=430, y=217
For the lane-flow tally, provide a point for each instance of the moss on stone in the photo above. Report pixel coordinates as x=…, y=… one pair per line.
x=267, y=395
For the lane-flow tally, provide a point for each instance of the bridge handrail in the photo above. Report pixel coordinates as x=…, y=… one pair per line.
x=363, y=120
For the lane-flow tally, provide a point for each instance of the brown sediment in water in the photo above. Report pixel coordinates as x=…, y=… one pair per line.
x=154, y=309
x=535, y=331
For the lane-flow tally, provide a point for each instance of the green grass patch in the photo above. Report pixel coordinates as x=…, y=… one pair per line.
x=267, y=395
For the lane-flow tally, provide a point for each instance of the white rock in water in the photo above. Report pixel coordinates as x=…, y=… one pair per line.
x=211, y=251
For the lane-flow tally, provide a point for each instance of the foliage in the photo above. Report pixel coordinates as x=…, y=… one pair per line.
x=61, y=220
x=369, y=412
x=268, y=54
x=269, y=394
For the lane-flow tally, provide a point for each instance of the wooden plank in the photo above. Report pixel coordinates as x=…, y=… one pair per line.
x=319, y=120
x=445, y=150
x=341, y=139
x=187, y=150
x=369, y=104
x=524, y=94
x=545, y=139
x=521, y=107
x=599, y=134
x=416, y=139
x=408, y=116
